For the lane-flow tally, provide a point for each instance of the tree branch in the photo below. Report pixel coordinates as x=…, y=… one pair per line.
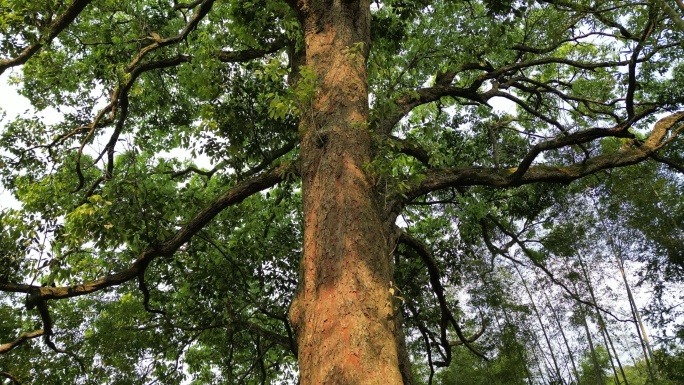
x=119, y=99
x=159, y=42
x=631, y=68
x=668, y=162
x=166, y=248
x=674, y=16
x=142, y=286
x=437, y=179
x=11, y=377
x=404, y=104
x=57, y=26
x=265, y=333
x=45, y=317
x=438, y=289
x=411, y=149
x=4, y=348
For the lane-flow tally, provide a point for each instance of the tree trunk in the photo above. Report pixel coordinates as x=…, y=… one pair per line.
x=565, y=339
x=640, y=328
x=343, y=312
x=557, y=373
x=607, y=340
x=597, y=368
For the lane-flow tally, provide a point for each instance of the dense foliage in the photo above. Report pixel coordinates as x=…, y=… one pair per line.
x=530, y=150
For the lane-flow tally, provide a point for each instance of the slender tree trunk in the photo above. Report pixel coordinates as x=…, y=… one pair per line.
x=565, y=339
x=523, y=360
x=343, y=312
x=543, y=360
x=602, y=326
x=640, y=328
x=597, y=369
x=557, y=375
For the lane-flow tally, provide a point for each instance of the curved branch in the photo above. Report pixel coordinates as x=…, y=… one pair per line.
x=159, y=42
x=437, y=179
x=233, y=196
x=142, y=286
x=274, y=337
x=193, y=169
x=475, y=336
x=11, y=377
x=412, y=99
x=668, y=162
x=578, y=137
x=411, y=149
x=57, y=26
x=438, y=289
x=428, y=344
x=631, y=68
x=45, y=317
x=191, y=5
x=23, y=337
x=119, y=98
x=590, y=66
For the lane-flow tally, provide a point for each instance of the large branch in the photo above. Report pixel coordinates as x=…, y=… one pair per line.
x=4, y=348
x=234, y=196
x=674, y=16
x=404, y=104
x=437, y=179
x=669, y=162
x=59, y=24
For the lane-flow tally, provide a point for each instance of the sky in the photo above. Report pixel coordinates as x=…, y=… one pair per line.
x=11, y=104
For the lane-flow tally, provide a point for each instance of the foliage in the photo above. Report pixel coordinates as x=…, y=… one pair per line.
x=593, y=366
x=513, y=144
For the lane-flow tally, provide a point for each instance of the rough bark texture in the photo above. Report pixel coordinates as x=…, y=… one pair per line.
x=343, y=312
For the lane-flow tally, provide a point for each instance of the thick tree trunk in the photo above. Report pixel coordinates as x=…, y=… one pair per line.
x=343, y=312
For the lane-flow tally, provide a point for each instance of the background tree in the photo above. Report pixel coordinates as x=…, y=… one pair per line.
x=344, y=182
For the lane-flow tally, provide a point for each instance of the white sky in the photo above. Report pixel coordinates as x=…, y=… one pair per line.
x=12, y=104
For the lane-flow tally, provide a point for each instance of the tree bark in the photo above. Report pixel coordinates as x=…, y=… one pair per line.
x=343, y=312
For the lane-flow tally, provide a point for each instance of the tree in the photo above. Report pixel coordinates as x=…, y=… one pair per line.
x=323, y=122
x=595, y=366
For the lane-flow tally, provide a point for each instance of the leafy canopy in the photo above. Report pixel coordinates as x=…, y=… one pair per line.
x=169, y=186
